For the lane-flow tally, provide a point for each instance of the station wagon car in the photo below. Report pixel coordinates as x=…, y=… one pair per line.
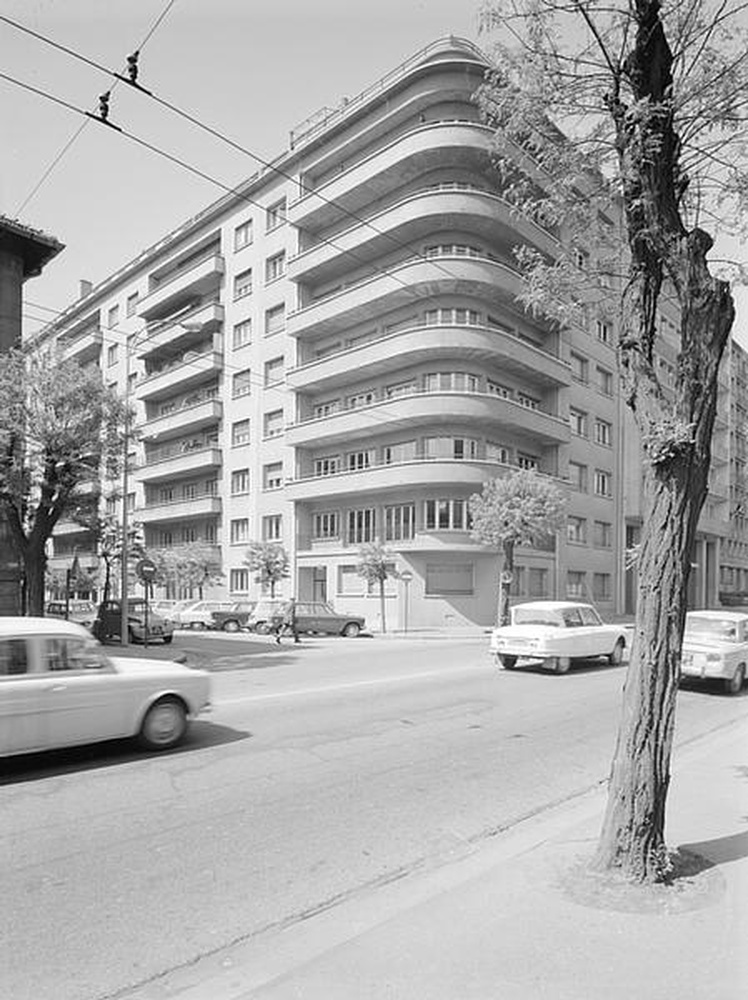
x=715, y=646
x=311, y=616
x=556, y=632
x=58, y=688
x=234, y=618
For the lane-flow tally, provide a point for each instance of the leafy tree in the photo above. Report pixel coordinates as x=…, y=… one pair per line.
x=376, y=565
x=188, y=567
x=106, y=533
x=639, y=104
x=59, y=427
x=523, y=508
x=270, y=562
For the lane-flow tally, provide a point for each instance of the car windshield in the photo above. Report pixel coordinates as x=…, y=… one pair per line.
x=715, y=628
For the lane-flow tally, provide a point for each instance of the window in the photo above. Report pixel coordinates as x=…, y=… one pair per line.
x=239, y=433
x=361, y=525
x=239, y=482
x=604, y=331
x=576, y=530
x=579, y=367
x=239, y=581
x=602, y=535
x=328, y=465
x=497, y=389
x=458, y=317
x=274, y=370
x=399, y=389
x=326, y=524
x=578, y=476
x=603, y=432
x=165, y=539
x=272, y=476
x=275, y=267
x=449, y=578
x=575, y=583
x=498, y=453
x=400, y=522
x=449, y=447
x=239, y=530
x=605, y=381
x=364, y=398
x=356, y=460
x=131, y=304
x=602, y=483
x=243, y=284
x=241, y=383
x=13, y=657
x=71, y=654
x=243, y=235
x=403, y=451
x=275, y=320
x=242, y=334
x=537, y=581
x=578, y=422
x=525, y=461
x=112, y=317
x=111, y=355
x=450, y=382
x=446, y=515
x=275, y=215
x=601, y=586
x=272, y=528
x=326, y=408
x=188, y=535
x=272, y=424
x=529, y=402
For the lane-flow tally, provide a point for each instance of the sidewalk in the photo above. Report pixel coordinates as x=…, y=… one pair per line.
x=519, y=919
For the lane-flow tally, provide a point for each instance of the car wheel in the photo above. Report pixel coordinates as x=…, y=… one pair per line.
x=131, y=636
x=262, y=628
x=508, y=662
x=230, y=625
x=167, y=639
x=560, y=664
x=351, y=630
x=616, y=657
x=196, y=626
x=164, y=725
x=734, y=684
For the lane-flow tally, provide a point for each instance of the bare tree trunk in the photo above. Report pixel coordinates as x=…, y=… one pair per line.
x=506, y=576
x=381, y=603
x=34, y=564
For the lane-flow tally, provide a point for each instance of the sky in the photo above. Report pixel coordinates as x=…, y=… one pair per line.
x=251, y=69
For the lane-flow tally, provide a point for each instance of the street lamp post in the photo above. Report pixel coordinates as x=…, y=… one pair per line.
x=406, y=576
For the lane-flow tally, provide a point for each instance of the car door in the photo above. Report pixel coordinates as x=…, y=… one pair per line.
x=20, y=697
x=82, y=696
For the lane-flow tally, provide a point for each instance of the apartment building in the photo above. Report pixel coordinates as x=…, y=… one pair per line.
x=336, y=355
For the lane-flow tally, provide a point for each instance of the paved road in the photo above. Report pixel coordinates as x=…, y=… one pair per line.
x=323, y=770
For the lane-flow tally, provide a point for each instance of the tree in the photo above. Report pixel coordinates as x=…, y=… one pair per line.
x=60, y=426
x=269, y=560
x=642, y=105
x=523, y=508
x=106, y=534
x=376, y=564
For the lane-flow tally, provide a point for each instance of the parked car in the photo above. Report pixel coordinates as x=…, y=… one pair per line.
x=715, y=646
x=234, y=618
x=108, y=624
x=164, y=607
x=556, y=632
x=198, y=614
x=59, y=688
x=311, y=617
x=79, y=611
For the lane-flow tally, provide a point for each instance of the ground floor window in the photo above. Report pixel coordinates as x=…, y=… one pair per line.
x=601, y=586
x=349, y=581
x=239, y=581
x=449, y=578
x=537, y=581
x=575, y=583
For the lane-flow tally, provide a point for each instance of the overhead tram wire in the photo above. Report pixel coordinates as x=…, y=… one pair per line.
x=230, y=142
x=83, y=125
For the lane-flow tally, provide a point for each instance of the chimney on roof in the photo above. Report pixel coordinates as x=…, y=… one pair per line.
x=84, y=288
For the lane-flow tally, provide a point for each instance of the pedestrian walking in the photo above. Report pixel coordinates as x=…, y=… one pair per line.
x=288, y=622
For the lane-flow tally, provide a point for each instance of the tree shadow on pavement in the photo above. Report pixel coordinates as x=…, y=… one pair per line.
x=719, y=851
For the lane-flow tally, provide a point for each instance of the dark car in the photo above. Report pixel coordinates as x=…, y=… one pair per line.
x=311, y=616
x=234, y=618
x=79, y=611
x=108, y=624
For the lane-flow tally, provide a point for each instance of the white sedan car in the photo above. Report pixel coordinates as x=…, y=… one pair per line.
x=556, y=632
x=715, y=645
x=58, y=688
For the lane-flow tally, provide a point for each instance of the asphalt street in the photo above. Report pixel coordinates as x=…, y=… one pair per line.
x=323, y=771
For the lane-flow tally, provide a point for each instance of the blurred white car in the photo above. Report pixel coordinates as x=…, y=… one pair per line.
x=556, y=632
x=715, y=646
x=59, y=688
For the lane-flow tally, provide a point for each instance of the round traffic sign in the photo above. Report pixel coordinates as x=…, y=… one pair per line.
x=146, y=569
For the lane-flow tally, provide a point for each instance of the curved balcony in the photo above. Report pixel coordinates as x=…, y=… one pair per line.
x=183, y=420
x=207, y=505
x=395, y=477
x=179, y=464
x=395, y=351
x=416, y=278
x=459, y=145
x=418, y=217
x=197, y=279
x=429, y=409
x=201, y=319
x=191, y=370
x=84, y=347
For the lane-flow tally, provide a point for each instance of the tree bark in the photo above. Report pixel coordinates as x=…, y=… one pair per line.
x=382, y=604
x=34, y=565
x=506, y=575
